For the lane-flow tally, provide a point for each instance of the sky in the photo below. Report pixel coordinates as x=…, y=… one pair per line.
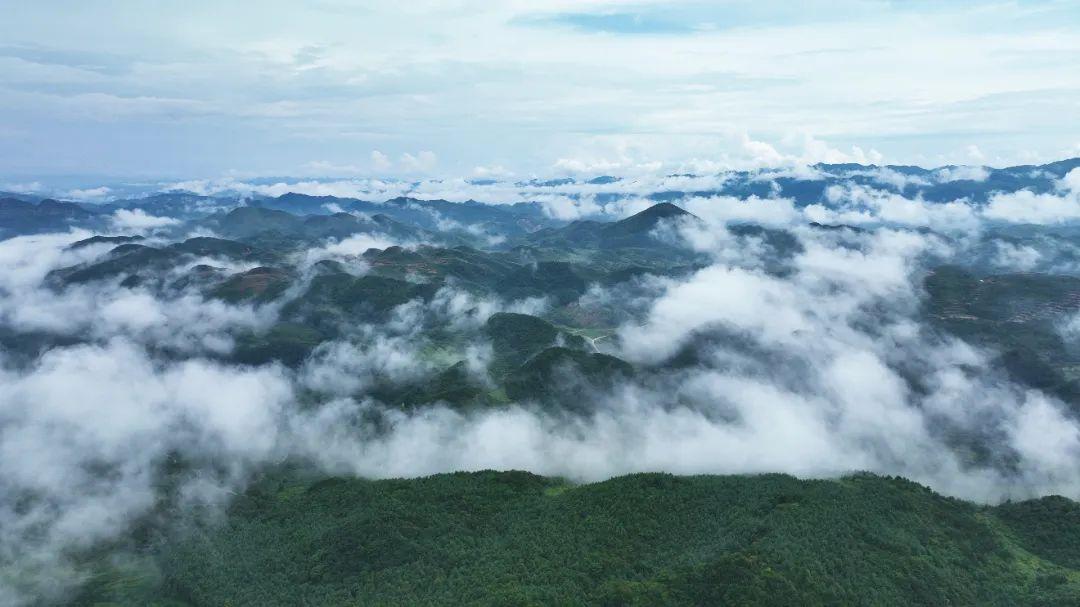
x=333, y=88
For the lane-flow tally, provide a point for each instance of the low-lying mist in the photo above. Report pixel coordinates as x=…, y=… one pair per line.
x=817, y=362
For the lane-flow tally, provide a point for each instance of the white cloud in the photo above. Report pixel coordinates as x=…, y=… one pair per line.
x=567, y=208
x=23, y=188
x=113, y=405
x=323, y=168
x=1016, y=257
x=762, y=154
x=99, y=311
x=491, y=171
x=1025, y=206
x=724, y=209
x=587, y=167
x=1071, y=181
x=892, y=177
x=962, y=173
x=88, y=195
x=813, y=151
x=422, y=162
x=350, y=249
x=856, y=204
x=138, y=220
x=380, y=161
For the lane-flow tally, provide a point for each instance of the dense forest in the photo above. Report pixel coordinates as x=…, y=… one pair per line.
x=513, y=538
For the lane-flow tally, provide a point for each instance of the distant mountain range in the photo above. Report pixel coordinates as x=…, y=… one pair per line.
x=22, y=213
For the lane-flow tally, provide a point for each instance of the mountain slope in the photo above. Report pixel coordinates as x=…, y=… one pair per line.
x=273, y=228
x=645, y=221
x=513, y=538
x=634, y=231
x=22, y=217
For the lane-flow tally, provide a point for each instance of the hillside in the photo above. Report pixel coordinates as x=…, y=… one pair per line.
x=636, y=231
x=513, y=538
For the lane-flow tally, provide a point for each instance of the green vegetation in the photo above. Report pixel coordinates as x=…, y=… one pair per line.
x=455, y=386
x=206, y=246
x=276, y=228
x=635, y=231
x=334, y=298
x=512, y=538
x=1016, y=315
x=126, y=259
x=260, y=285
x=287, y=343
x=566, y=376
x=136, y=261
x=86, y=242
x=517, y=337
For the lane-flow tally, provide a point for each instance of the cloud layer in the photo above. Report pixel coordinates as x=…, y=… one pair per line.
x=341, y=87
x=812, y=358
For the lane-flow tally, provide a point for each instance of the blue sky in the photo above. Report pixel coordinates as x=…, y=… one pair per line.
x=148, y=90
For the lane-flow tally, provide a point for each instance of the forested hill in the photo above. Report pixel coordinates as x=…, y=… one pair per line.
x=513, y=538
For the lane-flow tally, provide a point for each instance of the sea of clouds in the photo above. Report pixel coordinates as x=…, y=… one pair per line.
x=825, y=368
